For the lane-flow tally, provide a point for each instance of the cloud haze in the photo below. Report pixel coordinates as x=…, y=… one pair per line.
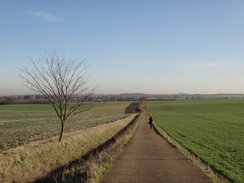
x=46, y=16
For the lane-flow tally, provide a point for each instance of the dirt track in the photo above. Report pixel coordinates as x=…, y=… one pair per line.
x=148, y=158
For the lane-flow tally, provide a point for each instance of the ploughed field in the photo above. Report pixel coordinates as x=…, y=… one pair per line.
x=211, y=129
x=22, y=123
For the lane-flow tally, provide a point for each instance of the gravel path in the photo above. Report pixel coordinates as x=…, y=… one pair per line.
x=149, y=158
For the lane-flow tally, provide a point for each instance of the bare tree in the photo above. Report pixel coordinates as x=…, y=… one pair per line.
x=61, y=81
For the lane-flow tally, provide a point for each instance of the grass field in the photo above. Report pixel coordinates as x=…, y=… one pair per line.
x=211, y=129
x=37, y=158
x=20, y=124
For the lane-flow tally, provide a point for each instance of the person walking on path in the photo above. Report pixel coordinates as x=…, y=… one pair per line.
x=150, y=121
x=149, y=158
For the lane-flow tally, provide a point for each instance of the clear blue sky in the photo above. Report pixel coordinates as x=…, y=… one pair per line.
x=148, y=46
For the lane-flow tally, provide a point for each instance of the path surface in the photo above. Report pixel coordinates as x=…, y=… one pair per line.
x=149, y=158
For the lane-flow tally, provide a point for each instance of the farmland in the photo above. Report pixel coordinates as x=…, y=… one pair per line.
x=211, y=129
x=40, y=153
x=20, y=124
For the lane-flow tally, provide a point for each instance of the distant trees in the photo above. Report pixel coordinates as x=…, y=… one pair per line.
x=61, y=81
x=7, y=100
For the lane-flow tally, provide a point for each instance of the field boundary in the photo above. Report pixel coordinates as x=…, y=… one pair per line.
x=207, y=169
x=89, y=155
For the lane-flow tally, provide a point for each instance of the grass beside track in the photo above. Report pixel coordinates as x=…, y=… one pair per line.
x=36, y=159
x=23, y=123
x=211, y=129
x=93, y=169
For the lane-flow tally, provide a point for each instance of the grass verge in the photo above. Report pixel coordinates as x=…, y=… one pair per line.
x=97, y=162
x=32, y=161
x=195, y=159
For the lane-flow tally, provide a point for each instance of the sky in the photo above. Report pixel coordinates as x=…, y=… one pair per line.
x=130, y=46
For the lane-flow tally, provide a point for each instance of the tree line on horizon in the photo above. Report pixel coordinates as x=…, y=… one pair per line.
x=39, y=99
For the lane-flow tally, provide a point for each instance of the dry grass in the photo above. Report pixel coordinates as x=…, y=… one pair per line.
x=97, y=165
x=105, y=159
x=34, y=160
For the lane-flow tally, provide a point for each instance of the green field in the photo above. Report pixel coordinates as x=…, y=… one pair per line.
x=211, y=129
x=22, y=123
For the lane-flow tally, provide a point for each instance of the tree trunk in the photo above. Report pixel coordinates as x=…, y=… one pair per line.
x=61, y=131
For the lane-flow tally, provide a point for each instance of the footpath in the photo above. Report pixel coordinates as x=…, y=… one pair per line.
x=149, y=158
